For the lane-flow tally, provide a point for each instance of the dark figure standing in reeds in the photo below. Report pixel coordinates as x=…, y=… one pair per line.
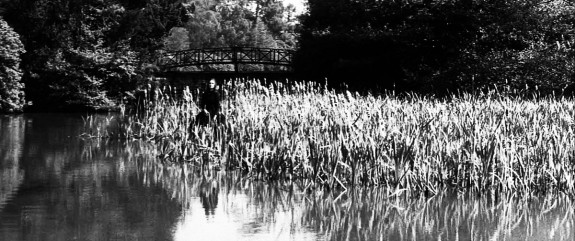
x=209, y=105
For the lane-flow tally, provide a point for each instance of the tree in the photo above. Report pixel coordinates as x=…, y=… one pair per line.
x=233, y=23
x=11, y=89
x=178, y=39
x=437, y=45
x=146, y=25
x=88, y=54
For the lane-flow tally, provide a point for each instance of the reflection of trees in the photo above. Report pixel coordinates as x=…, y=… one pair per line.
x=86, y=190
x=140, y=212
x=11, y=139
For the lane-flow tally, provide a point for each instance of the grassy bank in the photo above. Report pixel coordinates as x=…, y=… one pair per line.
x=483, y=144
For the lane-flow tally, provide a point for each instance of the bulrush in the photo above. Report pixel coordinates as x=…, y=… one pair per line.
x=484, y=144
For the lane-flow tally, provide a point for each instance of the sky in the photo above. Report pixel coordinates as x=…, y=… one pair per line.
x=299, y=7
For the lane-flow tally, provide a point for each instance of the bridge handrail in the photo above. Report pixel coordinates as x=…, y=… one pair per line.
x=230, y=48
x=226, y=55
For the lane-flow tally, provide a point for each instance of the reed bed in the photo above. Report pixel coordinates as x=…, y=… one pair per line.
x=485, y=144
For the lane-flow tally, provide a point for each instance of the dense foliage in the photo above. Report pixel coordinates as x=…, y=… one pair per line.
x=440, y=45
x=261, y=23
x=11, y=89
x=73, y=56
x=94, y=54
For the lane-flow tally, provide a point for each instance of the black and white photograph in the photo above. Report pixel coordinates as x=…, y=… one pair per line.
x=287, y=120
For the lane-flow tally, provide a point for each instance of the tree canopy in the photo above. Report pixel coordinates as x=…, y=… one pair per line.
x=11, y=89
x=93, y=54
x=440, y=45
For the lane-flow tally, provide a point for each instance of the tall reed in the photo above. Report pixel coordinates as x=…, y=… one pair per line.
x=486, y=144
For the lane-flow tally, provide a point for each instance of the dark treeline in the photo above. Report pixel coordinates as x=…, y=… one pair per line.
x=440, y=46
x=96, y=54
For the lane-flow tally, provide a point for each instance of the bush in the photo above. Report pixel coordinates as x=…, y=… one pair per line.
x=11, y=89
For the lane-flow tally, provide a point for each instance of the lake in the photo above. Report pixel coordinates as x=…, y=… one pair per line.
x=57, y=185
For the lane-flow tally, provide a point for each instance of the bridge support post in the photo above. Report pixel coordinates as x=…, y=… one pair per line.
x=235, y=52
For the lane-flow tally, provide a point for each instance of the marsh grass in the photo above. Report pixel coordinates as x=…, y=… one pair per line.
x=485, y=144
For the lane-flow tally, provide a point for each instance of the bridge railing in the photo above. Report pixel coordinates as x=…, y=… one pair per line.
x=230, y=55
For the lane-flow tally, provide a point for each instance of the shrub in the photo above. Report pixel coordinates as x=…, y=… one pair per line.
x=11, y=89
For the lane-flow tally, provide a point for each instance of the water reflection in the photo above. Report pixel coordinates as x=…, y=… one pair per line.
x=368, y=215
x=11, y=176
x=225, y=206
x=65, y=188
x=55, y=186
x=209, y=191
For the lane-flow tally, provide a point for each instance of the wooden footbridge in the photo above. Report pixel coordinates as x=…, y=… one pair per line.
x=230, y=55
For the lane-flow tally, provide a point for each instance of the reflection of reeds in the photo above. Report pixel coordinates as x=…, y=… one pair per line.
x=354, y=214
x=484, y=144
x=369, y=215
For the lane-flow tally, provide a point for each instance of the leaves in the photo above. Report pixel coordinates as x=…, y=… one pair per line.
x=11, y=89
x=87, y=54
x=435, y=46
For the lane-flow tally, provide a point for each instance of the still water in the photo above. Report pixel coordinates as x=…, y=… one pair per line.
x=55, y=185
